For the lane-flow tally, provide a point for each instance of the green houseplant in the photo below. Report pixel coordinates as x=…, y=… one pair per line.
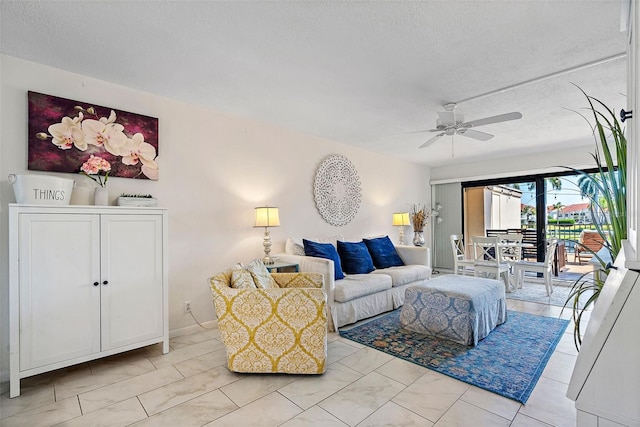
x=128, y=199
x=608, y=202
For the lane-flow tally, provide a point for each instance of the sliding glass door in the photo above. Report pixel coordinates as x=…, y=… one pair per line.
x=538, y=206
x=503, y=208
x=547, y=207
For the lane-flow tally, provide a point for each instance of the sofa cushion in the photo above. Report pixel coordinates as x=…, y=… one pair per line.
x=295, y=246
x=354, y=257
x=383, y=252
x=324, y=250
x=242, y=279
x=261, y=276
x=405, y=274
x=358, y=285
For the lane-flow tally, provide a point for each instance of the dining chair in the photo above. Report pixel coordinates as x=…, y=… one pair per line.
x=510, y=246
x=530, y=239
x=520, y=267
x=488, y=259
x=460, y=260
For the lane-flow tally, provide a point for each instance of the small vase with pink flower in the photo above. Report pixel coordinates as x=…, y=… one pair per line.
x=98, y=170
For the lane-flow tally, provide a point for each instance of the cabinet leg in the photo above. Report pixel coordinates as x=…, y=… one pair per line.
x=165, y=346
x=14, y=387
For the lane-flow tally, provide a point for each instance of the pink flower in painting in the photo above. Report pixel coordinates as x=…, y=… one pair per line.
x=111, y=119
x=105, y=133
x=139, y=151
x=68, y=133
x=94, y=166
x=151, y=172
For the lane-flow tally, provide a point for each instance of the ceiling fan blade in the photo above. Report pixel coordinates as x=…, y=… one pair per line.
x=432, y=140
x=493, y=119
x=475, y=134
x=421, y=131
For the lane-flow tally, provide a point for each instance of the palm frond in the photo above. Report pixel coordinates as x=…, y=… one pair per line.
x=609, y=182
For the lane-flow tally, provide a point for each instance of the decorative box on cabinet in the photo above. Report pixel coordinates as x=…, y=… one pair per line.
x=84, y=283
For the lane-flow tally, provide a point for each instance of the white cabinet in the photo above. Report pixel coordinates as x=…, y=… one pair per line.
x=59, y=307
x=605, y=383
x=85, y=283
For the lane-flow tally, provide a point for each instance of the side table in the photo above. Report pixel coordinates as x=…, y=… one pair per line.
x=283, y=267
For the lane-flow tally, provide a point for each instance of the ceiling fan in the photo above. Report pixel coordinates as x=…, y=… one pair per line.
x=450, y=122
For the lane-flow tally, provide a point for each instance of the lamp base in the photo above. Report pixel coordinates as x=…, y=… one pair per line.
x=401, y=235
x=267, y=260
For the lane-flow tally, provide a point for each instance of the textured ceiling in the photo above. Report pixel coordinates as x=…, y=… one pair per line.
x=361, y=73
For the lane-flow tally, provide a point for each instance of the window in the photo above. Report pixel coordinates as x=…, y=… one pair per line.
x=539, y=206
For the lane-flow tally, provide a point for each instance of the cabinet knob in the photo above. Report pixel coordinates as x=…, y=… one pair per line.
x=106, y=282
x=95, y=283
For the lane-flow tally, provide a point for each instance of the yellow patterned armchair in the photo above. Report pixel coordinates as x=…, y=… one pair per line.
x=282, y=329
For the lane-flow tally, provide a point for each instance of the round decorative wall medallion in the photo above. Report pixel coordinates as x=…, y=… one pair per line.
x=336, y=189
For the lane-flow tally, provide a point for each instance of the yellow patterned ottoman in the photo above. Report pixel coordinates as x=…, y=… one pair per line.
x=457, y=308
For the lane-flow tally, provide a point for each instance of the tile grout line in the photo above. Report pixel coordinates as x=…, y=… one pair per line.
x=143, y=408
x=490, y=411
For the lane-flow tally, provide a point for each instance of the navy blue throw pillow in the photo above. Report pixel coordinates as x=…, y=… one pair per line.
x=383, y=253
x=355, y=258
x=324, y=250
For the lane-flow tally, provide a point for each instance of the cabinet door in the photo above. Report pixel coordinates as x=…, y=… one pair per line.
x=132, y=299
x=59, y=258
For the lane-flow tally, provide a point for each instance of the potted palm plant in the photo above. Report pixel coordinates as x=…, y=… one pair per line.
x=608, y=203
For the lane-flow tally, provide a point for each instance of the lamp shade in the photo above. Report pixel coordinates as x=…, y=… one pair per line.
x=267, y=217
x=401, y=218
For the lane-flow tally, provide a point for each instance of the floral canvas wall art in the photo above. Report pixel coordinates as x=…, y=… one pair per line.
x=64, y=134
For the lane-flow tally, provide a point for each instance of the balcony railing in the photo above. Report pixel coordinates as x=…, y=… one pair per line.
x=570, y=233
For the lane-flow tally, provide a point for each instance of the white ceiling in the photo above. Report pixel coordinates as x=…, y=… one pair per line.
x=361, y=73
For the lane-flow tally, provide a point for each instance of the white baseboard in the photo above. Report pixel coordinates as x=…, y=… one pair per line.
x=212, y=324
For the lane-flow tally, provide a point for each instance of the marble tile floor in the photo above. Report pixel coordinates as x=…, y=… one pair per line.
x=191, y=386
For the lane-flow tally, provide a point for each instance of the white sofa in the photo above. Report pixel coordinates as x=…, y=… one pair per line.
x=360, y=296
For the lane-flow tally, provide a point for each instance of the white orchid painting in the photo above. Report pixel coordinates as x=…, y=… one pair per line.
x=64, y=134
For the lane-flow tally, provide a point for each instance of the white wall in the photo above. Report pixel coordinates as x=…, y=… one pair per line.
x=548, y=162
x=214, y=169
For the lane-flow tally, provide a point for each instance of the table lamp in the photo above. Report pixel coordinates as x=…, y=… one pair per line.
x=401, y=219
x=267, y=217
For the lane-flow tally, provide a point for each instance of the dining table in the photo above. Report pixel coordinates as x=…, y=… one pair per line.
x=511, y=260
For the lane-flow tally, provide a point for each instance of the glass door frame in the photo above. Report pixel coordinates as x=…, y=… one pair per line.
x=541, y=198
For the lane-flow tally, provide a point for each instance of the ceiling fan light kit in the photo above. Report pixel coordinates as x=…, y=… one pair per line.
x=443, y=122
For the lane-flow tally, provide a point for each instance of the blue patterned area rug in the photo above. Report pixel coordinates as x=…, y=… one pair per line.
x=508, y=362
x=536, y=292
